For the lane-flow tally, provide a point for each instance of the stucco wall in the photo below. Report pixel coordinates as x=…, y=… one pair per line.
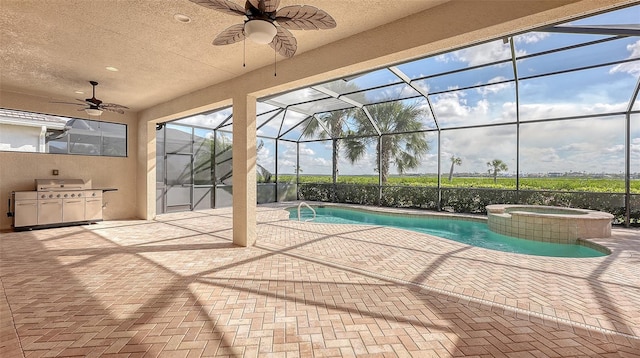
x=19, y=170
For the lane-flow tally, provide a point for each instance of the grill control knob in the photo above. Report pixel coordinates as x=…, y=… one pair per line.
x=79, y=195
x=73, y=195
x=50, y=196
x=66, y=195
x=43, y=196
x=57, y=196
x=94, y=194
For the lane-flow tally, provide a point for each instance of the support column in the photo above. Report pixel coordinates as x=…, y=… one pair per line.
x=244, y=170
x=146, y=170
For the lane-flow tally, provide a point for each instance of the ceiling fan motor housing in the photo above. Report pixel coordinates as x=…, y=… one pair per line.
x=93, y=101
x=96, y=106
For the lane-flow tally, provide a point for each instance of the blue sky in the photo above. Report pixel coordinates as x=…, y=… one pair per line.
x=593, y=145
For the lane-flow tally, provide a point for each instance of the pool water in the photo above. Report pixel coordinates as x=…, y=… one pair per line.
x=467, y=232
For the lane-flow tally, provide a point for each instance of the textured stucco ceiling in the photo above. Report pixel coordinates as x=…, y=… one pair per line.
x=53, y=48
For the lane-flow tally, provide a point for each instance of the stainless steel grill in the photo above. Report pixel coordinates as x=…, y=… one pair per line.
x=62, y=184
x=57, y=202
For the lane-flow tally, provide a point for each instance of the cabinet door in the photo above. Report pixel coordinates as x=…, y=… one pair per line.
x=73, y=210
x=25, y=213
x=49, y=211
x=93, y=209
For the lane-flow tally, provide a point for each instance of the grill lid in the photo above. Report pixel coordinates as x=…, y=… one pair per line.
x=62, y=184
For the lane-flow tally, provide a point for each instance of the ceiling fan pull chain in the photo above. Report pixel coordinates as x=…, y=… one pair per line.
x=275, y=62
x=244, y=52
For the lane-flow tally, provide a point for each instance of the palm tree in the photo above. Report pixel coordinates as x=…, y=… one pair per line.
x=454, y=161
x=496, y=166
x=404, y=149
x=333, y=123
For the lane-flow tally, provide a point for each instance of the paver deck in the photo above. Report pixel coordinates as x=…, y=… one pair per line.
x=178, y=287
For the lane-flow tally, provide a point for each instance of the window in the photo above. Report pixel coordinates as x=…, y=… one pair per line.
x=40, y=133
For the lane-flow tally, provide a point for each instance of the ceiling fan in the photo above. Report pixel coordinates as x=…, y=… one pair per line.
x=96, y=106
x=265, y=24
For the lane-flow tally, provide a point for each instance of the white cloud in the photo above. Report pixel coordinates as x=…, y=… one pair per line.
x=292, y=118
x=508, y=111
x=576, y=147
x=591, y=145
x=366, y=165
x=480, y=54
x=558, y=110
x=495, y=88
x=265, y=157
x=632, y=68
x=616, y=149
x=478, y=146
x=531, y=37
x=304, y=150
x=451, y=105
x=211, y=120
x=423, y=85
x=548, y=155
x=311, y=161
x=635, y=155
x=264, y=153
x=443, y=58
x=453, y=109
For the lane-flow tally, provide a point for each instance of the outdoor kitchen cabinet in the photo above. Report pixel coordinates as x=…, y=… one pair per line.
x=49, y=211
x=56, y=202
x=25, y=208
x=93, y=205
x=73, y=210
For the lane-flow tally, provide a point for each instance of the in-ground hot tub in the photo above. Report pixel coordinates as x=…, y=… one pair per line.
x=548, y=223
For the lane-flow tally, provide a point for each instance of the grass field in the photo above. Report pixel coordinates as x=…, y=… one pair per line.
x=599, y=185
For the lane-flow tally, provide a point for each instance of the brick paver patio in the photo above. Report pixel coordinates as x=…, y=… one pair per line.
x=178, y=287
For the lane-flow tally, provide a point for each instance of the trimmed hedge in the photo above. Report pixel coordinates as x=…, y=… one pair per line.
x=466, y=200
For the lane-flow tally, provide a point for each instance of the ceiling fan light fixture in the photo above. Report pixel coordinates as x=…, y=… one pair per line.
x=260, y=31
x=93, y=111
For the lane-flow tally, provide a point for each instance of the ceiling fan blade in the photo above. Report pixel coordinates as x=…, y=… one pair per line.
x=284, y=43
x=110, y=109
x=304, y=17
x=75, y=104
x=265, y=5
x=230, y=35
x=93, y=101
x=112, y=106
x=84, y=101
x=226, y=6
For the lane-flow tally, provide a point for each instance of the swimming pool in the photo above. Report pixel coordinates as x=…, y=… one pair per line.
x=467, y=232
